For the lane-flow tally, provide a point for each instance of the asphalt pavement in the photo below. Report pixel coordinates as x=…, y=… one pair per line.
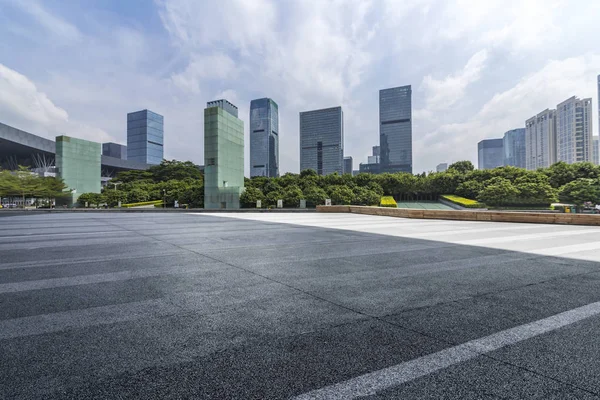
x=305, y=306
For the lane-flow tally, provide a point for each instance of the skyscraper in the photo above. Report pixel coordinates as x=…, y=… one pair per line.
x=441, y=167
x=395, y=129
x=490, y=153
x=596, y=151
x=223, y=155
x=574, y=130
x=376, y=151
x=322, y=140
x=540, y=140
x=514, y=148
x=145, y=137
x=348, y=165
x=264, y=138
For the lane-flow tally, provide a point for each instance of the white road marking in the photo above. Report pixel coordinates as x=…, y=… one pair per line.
x=373, y=382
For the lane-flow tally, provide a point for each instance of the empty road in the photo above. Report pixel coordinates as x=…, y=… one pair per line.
x=296, y=306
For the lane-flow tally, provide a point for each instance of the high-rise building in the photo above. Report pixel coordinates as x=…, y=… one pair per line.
x=264, y=138
x=78, y=163
x=514, y=148
x=540, y=140
x=145, y=137
x=441, y=167
x=223, y=155
x=490, y=153
x=574, y=130
x=596, y=151
x=348, y=165
x=377, y=151
x=322, y=140
x=395, y=129
x=115, y=150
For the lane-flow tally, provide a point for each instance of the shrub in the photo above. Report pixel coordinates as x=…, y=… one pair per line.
x=143, y=203
x=463, y=202
x=388, y=201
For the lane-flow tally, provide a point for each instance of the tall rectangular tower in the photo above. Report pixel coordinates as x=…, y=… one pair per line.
x=223, y=155
x=348, y=165
x=322, y=140
x=596, y=151
x=574, y=130
x=78, y=163
x=540, y=140
x=264, y=138
x=395, y=129
x=514, y=148
x=145, y=137
x=490, y=153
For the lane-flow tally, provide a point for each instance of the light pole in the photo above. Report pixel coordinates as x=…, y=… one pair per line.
x=115, y=184
x=164, y=198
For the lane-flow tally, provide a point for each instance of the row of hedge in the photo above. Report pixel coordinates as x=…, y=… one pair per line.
x=143, y=203
x=462, y=201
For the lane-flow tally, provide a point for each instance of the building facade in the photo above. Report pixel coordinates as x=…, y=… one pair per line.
x=348, y=165
x=264, y=138
x=223, y=156
x=377, y=151
x=514, y=148
x=490, y=153
x=442, y=167
x=115, y=150
x=540, y=140
x=145, y=131
x=322, y=140
x=395, y=129
x=78, y=163
x=596, y=151
x=574, y=130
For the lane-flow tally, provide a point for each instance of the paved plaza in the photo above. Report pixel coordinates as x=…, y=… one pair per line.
x=301, y=305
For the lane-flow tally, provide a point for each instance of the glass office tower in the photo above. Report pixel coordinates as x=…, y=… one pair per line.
x=490, y=153
x=348, y=165
x=322, y=140
x=514, y=148
x=395, y=129
x=540, y=140
x=223, y=155
x=264, y=138
x=145, y=137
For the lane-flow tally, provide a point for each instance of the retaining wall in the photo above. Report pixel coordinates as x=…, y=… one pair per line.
x=496, y=216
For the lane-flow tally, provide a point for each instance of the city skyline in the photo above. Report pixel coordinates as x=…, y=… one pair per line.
x=170, y=60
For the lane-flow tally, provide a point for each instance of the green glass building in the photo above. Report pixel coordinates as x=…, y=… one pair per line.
x=223, y=155
x=78, y=164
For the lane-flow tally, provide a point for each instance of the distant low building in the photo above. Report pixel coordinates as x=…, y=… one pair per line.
x=369, y=168
x=348, y=165
x=115, y=150
x=441, y=167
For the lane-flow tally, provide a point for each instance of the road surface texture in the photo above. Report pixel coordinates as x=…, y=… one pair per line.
x=301, y=306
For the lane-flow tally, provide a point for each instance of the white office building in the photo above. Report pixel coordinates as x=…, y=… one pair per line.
x=574, y=130
x=540, y=140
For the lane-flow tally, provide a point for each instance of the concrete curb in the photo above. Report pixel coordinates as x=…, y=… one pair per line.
x=468, y=215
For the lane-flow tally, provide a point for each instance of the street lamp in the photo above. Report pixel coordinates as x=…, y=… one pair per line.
x=164, y=198
x=115, y=184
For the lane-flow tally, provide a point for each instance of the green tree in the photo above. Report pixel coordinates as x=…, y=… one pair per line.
x=113, y=197
x=498, y=191
x=462, y=167
x=560, y=174
x=580, y=191
x=137, y=195
x=469, y=189
x=292, y=196
x=341, y=195
x=272, y=197
x=365, y=197
x=315, y=196
x=250, y=196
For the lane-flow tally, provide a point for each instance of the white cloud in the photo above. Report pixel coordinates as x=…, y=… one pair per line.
x=27, y=108
x=202, y=68
x=53, y=24
x=442, y=94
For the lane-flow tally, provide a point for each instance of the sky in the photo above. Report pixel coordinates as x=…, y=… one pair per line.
x=477, y=68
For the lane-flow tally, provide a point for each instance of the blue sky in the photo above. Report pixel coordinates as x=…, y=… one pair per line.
x=477, y=69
